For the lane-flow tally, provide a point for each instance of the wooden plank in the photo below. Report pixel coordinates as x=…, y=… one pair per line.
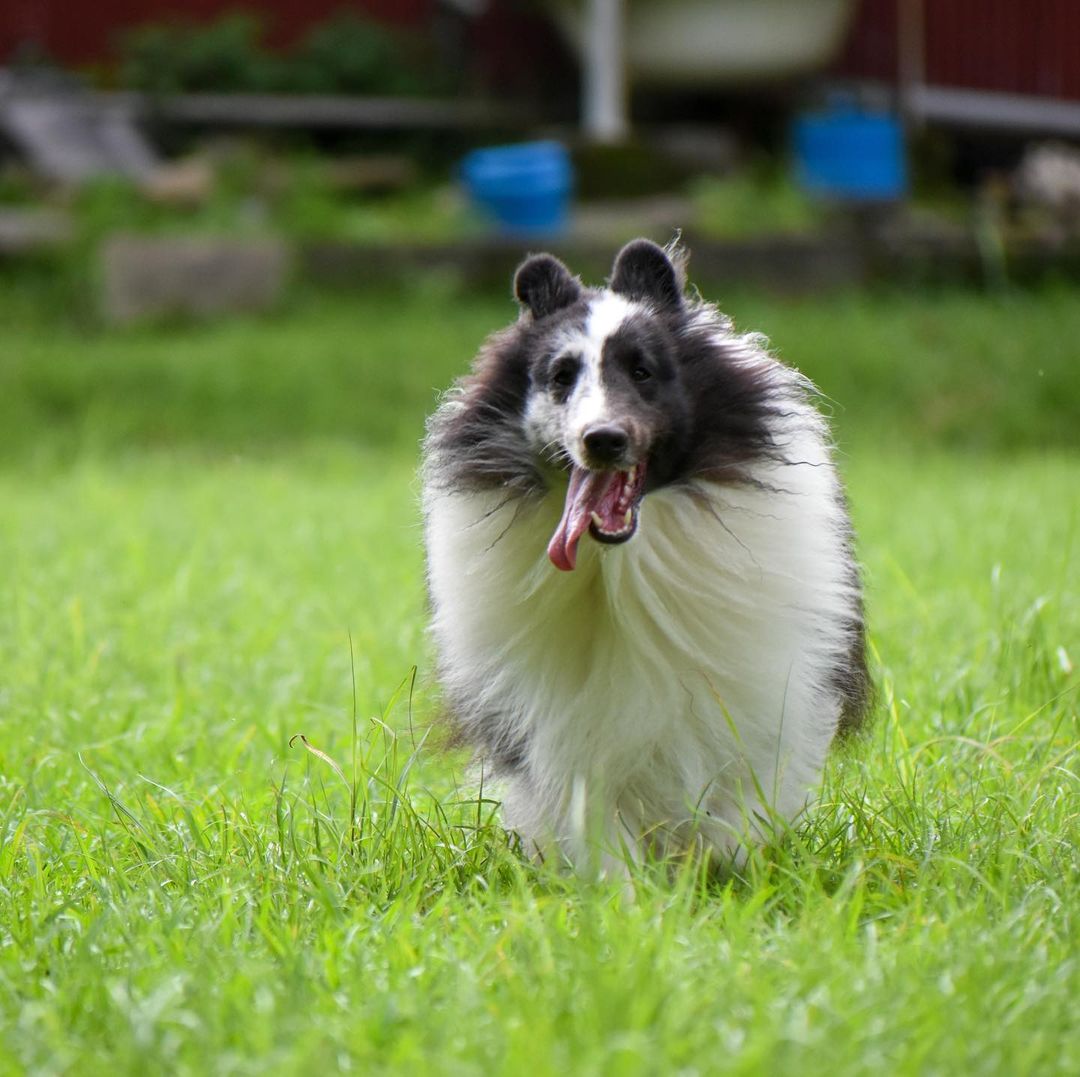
x=68, y=138
x=297, y=110
x=1022, y=113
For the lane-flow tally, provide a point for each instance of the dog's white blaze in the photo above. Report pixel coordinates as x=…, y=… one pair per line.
x=588, y=405
x=606, y=313
x=678, y=681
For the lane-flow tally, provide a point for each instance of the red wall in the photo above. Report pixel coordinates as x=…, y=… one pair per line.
x=1029, y=47
x=1015, y=46
x=76, y=32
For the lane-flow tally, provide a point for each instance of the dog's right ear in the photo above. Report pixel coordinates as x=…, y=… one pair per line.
x=645, y=272
x=544, y=285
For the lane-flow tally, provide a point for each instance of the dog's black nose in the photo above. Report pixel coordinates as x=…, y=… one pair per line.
x=606, y=444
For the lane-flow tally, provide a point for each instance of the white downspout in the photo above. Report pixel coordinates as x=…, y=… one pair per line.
x=604, y=90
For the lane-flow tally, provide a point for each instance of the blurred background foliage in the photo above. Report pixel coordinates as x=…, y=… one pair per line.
x=946, y=332
x=347, y=53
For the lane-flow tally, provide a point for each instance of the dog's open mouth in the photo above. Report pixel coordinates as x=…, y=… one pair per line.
x=604, y=503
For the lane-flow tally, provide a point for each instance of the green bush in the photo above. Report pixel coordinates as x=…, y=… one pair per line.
x=753, y=202
x=351, y=54
x=223, y=56
x=346, y=54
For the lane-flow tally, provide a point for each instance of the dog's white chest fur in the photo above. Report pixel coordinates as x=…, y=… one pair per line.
x=673, y=686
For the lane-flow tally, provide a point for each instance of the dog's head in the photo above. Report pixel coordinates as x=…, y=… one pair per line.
x=609, y=394
x=605, y=396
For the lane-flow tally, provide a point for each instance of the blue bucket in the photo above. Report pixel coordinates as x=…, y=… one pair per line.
x=846, y=153
x=525, y=187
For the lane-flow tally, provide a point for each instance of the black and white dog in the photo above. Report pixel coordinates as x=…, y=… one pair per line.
x=646, y=609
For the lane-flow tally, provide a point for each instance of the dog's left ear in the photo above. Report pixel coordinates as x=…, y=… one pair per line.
x=643, y=271
x=544, y=285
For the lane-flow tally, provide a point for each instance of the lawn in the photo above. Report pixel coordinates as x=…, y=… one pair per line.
x=209, y=543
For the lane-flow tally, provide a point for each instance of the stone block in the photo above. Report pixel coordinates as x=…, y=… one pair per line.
x=25, y=230
x=186, y=184
x=151, y=276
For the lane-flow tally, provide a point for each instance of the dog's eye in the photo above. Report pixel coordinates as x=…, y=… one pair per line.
x=564, y=376
x=641, y=373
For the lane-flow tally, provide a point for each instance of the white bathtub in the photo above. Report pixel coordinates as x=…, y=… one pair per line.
x=695, y=42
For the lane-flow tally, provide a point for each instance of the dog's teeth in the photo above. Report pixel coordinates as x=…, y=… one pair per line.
x=631, y=474
x=598, y=520
x=628, y=519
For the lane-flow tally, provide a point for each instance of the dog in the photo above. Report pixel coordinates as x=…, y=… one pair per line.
x=646, y=610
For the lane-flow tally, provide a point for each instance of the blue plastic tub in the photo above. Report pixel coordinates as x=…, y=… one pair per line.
x=849, y=154
x=525, y=187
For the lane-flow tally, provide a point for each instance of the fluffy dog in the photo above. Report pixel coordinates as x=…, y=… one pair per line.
x=646, y=609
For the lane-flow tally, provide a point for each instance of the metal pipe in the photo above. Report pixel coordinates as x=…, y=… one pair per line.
x=604, y=92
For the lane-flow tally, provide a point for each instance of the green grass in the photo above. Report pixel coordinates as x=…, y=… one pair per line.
x=213, y=545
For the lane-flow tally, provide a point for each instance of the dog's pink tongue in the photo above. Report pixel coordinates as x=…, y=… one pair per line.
x=586, y=490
